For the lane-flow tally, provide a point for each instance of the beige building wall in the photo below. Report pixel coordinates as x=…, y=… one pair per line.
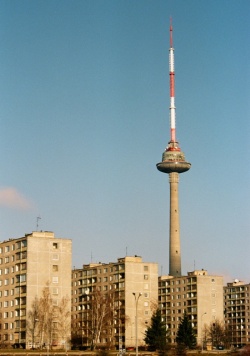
x=237, y=312
x=198, y=293
x=27, y=265
x=122, y=278
x=209, y=301
x=49, y=263
x=141, y=279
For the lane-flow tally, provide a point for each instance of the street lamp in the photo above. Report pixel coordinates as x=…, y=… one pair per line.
x=87, y=293
x=136, y=321
x=33, y=333
x=202, y=332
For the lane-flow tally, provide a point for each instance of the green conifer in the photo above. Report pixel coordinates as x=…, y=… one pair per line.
x=185, y=334
x=155, y=335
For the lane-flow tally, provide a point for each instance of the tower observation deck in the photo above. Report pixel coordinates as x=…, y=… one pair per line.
x=173, y=163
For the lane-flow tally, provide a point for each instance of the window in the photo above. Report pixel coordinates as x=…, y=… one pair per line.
x=7, y=259
x=55, y=256
x=145, y=276
x=22, y=312
x=21, y=278
x=7, y=248
x=55, y=291
x=55, y=268
x=145, y=268
x=54, y=279
x=20, y=244
x=55, y=245
x=21, y=255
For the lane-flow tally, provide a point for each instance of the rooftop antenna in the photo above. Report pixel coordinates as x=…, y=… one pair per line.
x=37, y=222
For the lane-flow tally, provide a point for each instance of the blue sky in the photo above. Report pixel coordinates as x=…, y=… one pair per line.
x=84, y=110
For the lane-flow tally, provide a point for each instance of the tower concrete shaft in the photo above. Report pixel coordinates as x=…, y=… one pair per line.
x=173, y=163
x=174, y=227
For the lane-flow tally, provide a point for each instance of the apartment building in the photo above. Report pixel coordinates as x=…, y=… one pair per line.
x=27, y=265
x=127, y=290
x=237, y=312
x=198, y=293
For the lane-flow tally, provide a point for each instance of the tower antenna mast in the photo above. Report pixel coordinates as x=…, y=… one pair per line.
x=172, y=92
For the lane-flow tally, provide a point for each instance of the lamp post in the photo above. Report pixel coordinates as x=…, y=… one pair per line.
x=136, y=321
x=86, y=294
x=33, y=333
x=202, y=332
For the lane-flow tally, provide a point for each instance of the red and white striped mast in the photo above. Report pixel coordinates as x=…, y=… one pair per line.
x=172, y=93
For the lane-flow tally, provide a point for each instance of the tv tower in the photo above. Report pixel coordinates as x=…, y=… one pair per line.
x=173, y=163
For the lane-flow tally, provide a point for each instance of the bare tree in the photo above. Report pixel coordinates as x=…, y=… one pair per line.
x=63, y=320
x=32, y=321
x=102, y=318
x=48, y=320
x=216, y=333
x=46, y=317
x=77, y=332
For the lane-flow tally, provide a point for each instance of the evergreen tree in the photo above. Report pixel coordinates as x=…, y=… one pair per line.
x=185, y=334
x=155, y=335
